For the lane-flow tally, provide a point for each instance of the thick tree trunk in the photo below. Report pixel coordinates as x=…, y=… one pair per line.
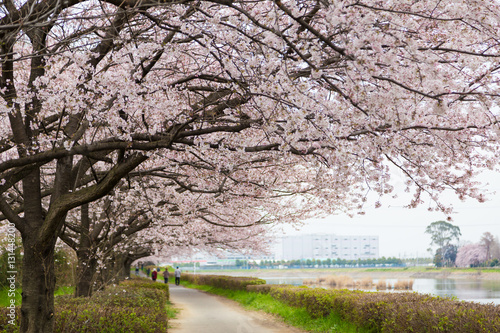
x=40, y=229
x=87, y=261
x=39, y=280
x=85, y=273
x=127, y=265
x=38, y=285
x=117, y=269
x=106, y=274
x=119, y=273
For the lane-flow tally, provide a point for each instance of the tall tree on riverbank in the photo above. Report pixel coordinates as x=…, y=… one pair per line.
x=336, y=92
x=489, y=242
x=442, y=235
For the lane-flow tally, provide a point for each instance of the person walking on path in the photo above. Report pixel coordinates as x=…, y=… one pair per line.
x=154, y=275
x=177, y=275
x=165, y=275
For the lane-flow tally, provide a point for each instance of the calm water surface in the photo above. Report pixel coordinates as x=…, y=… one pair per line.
x=481, y=291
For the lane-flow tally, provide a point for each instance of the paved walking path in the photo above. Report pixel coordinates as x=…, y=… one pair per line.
x=204, y=313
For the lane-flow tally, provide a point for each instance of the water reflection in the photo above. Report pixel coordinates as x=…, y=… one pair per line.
x=298, y=281
x=481, y=291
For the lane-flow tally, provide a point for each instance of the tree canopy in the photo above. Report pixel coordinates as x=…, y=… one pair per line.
x=443, y=233
x=254, y=100
x=471, y=255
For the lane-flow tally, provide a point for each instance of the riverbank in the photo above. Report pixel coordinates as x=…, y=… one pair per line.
x=374, y=273
x=279, y=315
x=391, y=312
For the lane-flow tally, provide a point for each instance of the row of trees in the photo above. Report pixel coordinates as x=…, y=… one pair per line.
x=310, y=263
x=449, y=253
x=132, y=127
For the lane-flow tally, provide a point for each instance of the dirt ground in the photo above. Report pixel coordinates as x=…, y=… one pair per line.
x=201, y=312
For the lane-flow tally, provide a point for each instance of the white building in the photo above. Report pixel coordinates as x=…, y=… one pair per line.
x=323, y=246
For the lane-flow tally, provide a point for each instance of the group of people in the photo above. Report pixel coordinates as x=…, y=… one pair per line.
x=166, y=274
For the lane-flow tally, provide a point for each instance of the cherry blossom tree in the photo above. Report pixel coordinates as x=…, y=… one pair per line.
x=198, y=218
x=329, y=95
x=489, y=242
x=471, y=255
x=94, y=238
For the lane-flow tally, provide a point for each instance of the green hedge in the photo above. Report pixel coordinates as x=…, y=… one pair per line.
x=137, y=305
x=221, y=281
x=391, y=312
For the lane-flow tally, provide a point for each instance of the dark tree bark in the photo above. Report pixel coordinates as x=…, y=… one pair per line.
x=38, y=285
x=40, y=230
x=86, y=260
x=91, y=236
x=122, y=263
x=86, y=272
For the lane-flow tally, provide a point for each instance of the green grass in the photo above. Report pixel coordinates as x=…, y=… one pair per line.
x=297, y=317
x=64, y=291
x=481, y=269
x=171, y=311
x=5, y=297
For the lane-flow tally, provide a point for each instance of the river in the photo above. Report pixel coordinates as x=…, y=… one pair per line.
x=482, y=287
x=481, y=291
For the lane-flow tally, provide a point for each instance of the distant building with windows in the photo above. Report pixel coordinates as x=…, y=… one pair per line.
x=324, y=246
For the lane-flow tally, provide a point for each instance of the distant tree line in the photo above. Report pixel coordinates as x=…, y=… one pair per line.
x=321, y=263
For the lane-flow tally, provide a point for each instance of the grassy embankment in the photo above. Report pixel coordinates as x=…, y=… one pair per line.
x=421, y=269
x=369, y=311
x=136, y=305
x=375, y=272
x=297, y=317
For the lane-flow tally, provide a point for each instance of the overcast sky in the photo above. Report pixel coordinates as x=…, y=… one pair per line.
x=401, y=230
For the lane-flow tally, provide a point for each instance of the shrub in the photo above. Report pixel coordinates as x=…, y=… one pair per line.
x=365, y=282
x=382, y=285
x=403, y=285
x=137, y=305
x=391, y=312
x=339, y=281
x=311, y=281
x=221, y=281
x=5, y=327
